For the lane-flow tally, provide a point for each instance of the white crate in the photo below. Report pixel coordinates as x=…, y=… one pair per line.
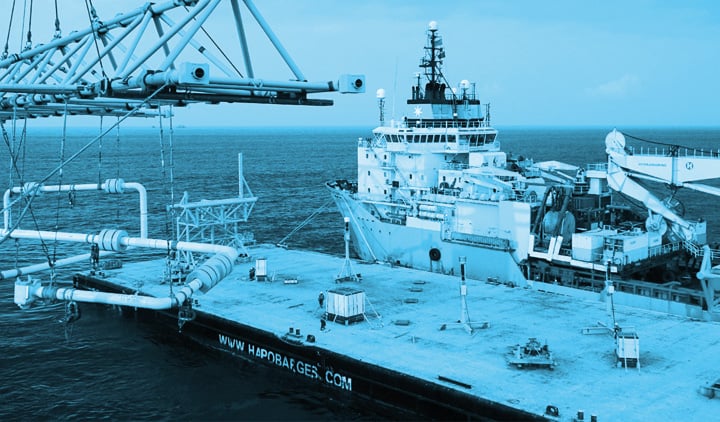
x=345, y=302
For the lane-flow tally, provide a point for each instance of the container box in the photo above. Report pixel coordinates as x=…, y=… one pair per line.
x=345, y=305
x=626, y=247
x=588, y=246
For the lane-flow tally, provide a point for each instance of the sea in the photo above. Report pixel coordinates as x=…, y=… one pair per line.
x=108, y=366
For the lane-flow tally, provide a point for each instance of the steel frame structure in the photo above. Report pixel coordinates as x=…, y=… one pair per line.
x=117, y=64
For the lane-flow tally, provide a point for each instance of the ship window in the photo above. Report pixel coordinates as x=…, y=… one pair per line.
x=385, y=191
x=385, y=157
x=384, y=174
x=410, y=176
x=368, y=190
x=367, y=156
x=443, y=178
x=368, y=172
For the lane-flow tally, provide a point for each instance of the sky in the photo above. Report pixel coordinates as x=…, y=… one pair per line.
x=538, y=63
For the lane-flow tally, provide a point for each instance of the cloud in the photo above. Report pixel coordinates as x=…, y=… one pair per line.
x=616, y=88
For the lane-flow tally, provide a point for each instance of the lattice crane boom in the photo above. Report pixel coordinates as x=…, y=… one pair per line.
x=166, y=49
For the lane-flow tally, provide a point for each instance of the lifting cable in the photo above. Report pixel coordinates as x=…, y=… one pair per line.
x=28, y=200
x=7, y=38
x=28, y=43
x=163, y=174
x=93, y=17
x=202, y=28
x=171, y=217
x=168, y=221
x=70, y=194
x=117, y=167
x=57, y=23
x=305, y=222
x=31, y=195
x=100, y=145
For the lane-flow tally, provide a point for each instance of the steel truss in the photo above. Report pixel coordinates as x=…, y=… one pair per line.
x=115, y=64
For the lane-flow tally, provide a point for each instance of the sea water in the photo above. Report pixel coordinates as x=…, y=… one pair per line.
x=112, y=366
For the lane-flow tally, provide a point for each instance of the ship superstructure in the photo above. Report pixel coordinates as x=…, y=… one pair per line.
x=436, y=187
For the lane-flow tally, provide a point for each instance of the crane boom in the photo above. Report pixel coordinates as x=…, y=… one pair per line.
x=625, y=165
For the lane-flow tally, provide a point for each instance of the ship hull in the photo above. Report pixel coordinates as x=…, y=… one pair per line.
x=337, y=375
x=377, y=241
x=424, y=248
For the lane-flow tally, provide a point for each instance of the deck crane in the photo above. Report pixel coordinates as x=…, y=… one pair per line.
x=673, y=169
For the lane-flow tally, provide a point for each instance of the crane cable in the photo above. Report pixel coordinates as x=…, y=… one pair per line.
x=52, y=260
x=57, y=22
x=31, y=193
x=7, y=37
x=28, y=42
x=93, y=17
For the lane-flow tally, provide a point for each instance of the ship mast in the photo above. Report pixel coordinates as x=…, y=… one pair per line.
x=434, y=91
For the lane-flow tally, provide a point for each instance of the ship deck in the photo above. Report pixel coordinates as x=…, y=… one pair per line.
x=676, y=354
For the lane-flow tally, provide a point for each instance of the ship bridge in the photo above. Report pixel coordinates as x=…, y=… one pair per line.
x=437, y=139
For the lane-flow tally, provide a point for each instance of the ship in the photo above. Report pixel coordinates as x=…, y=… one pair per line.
x=435, y=187
x=459, y=339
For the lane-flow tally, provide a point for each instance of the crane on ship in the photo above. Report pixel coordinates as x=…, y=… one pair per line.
x=670, y=168
x=139, y=63
x=676, y=170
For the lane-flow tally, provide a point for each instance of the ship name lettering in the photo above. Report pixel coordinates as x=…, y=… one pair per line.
x=232, y=343
x=296, y=366
x=338, y=380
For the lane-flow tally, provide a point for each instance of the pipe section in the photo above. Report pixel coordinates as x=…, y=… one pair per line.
x=116, y=186
x=203, y=278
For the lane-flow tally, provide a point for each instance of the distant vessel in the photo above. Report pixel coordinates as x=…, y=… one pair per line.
x=436, y=186
x=434, y=193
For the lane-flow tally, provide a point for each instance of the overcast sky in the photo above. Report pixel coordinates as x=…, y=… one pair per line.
x=577, y=63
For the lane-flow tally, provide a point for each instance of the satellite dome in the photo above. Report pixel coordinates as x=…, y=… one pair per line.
x=432, y=25
x=380, y=93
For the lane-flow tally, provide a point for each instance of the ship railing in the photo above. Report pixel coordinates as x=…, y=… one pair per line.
x=697, y=251
x=455, y=166
x=597, y=166
x=366, y=142
x=672, y=291
x=487, y=241
x=653, y=251
x=472, y=123
x=671, y=152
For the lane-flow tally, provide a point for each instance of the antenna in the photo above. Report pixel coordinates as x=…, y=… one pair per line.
x=381, y=103
x=346, y=272
x=464, y=321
